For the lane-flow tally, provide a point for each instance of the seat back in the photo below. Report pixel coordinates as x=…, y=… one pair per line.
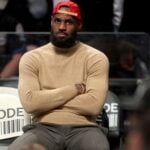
x=112, y=108
x=12, y=115
x=110, y=115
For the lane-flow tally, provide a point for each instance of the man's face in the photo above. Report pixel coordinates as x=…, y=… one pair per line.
x=64, y=29
x=127, y=62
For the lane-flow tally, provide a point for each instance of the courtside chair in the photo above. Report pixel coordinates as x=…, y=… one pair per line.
x=12, y=116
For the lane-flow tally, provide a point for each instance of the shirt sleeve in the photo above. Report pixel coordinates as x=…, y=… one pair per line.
x=91, y=103
x=33, y=99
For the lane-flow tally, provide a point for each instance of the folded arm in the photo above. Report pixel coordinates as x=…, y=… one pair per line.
x=35, y=100
x=91, y=102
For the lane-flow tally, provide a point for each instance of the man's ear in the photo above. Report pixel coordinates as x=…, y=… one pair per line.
x=51, y=19
x=80, y=26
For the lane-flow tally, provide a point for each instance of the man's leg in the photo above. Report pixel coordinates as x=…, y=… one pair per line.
x=38, y=134
x=87, y=138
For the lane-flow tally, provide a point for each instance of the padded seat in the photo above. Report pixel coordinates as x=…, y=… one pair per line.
x=12, y=116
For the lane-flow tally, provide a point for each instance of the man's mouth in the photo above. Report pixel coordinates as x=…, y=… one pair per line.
x=61, y=35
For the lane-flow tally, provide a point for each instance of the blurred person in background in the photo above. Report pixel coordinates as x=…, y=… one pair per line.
x=33, y=41
x=138, y=135
x=117, y=14
x=11, y=47
x=129, y=63
x=11, y=50
x=124, y=56
x=34, y=15
x=8, y=22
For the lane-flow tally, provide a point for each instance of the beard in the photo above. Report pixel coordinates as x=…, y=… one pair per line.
x=64, y=42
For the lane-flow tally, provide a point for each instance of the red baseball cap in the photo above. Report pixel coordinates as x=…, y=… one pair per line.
x=73, y=9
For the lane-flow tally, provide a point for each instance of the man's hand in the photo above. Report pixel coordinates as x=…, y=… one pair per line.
x=81, y=88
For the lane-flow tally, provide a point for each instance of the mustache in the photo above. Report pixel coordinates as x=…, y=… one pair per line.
x=61, y=32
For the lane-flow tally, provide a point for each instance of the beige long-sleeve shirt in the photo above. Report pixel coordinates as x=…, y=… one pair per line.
x=47, y=83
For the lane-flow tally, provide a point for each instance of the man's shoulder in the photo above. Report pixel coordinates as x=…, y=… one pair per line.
x=91, y=50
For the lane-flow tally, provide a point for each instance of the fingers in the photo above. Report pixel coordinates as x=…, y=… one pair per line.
x=81, y=88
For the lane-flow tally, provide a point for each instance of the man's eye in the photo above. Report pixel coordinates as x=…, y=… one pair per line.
x=69, y=22
x=57, y=20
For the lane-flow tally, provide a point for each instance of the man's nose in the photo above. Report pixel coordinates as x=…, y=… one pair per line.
x=62, y=26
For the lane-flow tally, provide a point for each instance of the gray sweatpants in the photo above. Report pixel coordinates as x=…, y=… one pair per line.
x=62, y=137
